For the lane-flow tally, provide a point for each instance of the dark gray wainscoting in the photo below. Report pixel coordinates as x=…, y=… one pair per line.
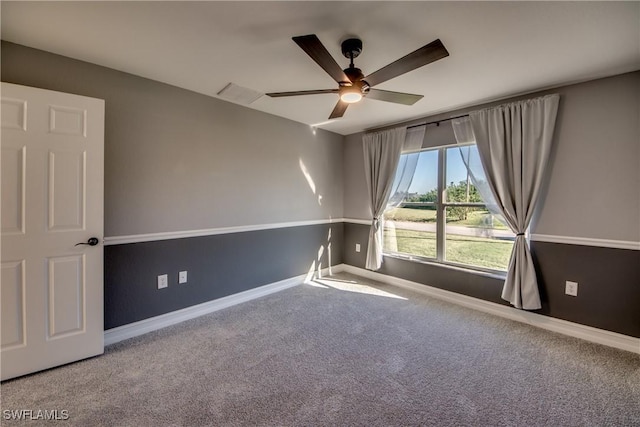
x=608, y=280
x=217, y=265
x=608, y=285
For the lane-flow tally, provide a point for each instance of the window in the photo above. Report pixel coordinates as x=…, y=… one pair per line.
x=443, y=218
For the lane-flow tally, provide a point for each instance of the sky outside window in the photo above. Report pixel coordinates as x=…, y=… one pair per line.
x=426, y=175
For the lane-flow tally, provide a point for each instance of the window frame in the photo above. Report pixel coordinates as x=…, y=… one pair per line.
x=441, y=222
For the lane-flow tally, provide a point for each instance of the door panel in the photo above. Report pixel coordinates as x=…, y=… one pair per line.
x=67, y=121
x=14, y=113
x=66, y=290
x=13, y=189
x=66, y=182
x=12, y=292
x=52, y=198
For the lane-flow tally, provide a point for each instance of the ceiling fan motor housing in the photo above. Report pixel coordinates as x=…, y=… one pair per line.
x=354, y=74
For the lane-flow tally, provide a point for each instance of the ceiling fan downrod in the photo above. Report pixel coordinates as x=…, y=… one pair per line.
x=351, y=48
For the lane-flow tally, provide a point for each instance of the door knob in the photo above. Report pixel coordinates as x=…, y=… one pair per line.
x=91, y=242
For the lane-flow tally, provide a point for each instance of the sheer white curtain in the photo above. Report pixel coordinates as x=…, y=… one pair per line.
x=386, y=175
x=471, y=159
x=514, y=142
x=406, y=165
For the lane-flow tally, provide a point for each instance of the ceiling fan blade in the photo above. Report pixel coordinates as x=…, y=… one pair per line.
x=302, y=92
x=416, y=59
x=338, y=110
x=397, y=97
x=316, y=50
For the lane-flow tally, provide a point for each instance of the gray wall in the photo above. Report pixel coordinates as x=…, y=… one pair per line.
x=356, y=202
x=593, y=191
x=595, y=173
x=176, y=160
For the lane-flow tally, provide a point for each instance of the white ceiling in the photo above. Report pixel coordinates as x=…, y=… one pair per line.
x=497, y=49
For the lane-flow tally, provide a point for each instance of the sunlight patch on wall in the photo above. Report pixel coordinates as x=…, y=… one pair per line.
x=307, y=176
x=315, y=270
x=311, y=274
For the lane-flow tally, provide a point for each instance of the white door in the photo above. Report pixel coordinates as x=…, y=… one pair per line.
x=51, y=291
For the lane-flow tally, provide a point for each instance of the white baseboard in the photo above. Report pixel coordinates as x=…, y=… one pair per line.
x=112, y=336
x=588, y=333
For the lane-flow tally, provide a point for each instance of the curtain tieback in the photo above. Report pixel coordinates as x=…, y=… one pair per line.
x=376, y=223
x=519, y=234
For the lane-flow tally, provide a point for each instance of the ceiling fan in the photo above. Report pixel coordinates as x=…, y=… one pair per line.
x=352, y=84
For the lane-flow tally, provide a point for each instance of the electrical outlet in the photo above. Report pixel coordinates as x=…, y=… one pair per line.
x=571, y=288
x=163, y=281
x=182, y=277
x=357, y=247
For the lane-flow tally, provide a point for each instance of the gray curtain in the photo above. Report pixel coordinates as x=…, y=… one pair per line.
x=514, y=142
x=381, y=154
x=402, y=182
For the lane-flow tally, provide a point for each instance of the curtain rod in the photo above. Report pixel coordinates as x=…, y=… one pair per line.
x=437, y=122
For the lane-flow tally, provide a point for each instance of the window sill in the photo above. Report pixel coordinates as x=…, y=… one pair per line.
x=479, y=272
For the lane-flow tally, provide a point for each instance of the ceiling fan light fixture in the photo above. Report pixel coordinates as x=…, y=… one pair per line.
x=350, y=95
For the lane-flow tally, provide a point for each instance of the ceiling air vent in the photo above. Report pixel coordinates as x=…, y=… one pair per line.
x=238, y=94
